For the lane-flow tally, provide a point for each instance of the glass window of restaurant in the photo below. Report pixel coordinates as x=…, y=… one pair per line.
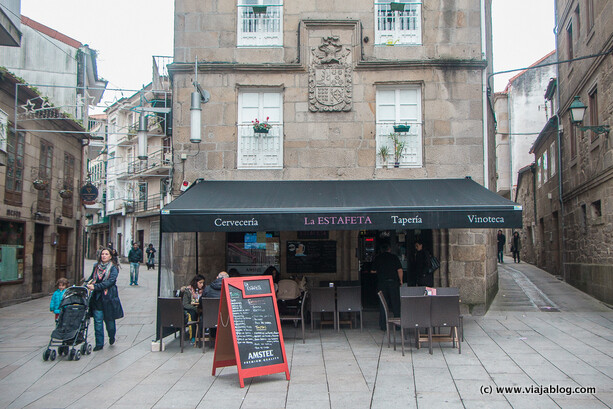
x=253, y=253
x=12, y=253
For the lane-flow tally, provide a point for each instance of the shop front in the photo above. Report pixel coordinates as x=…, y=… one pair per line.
x=329, y=231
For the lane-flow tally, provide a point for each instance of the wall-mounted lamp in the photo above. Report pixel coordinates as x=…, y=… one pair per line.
x=199, y=96
x=577, y=113
x=142, y=136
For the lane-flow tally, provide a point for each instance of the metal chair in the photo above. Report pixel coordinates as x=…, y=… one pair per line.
x=288, y=297
x=298, y=315
x=171, y=316
x=445, y=312
x=322, y=301
x=208, y=318
x=412, y=291
x=415, y=314
x=349, y=299
x=452, y=291
x=389, y=320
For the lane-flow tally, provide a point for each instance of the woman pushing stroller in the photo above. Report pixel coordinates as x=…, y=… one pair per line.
x=104, y=303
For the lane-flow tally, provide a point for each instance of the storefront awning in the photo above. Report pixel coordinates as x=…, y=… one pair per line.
x=236, y=206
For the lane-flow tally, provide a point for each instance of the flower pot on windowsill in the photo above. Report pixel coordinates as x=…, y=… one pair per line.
x=65, y=193
x=402, y=128
x=260, y=130
x=397, y=6
x=40, y=184
x=259, y=9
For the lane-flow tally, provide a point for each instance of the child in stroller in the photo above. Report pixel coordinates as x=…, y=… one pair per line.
x=71, y=327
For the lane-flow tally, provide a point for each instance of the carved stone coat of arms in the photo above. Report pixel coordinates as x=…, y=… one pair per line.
x=330, y=77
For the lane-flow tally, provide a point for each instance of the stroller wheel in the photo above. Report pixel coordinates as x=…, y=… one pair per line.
x=72, y=354
x=46, y=354
x=77, y=355
x=89, y=349
x=53, y=355
x=83, y=348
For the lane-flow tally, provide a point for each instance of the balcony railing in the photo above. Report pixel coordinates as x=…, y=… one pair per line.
x=151, y=203
x=411, y=155
x=260, y=150
x=398, y=27
x=260, y=29
x=156, y=162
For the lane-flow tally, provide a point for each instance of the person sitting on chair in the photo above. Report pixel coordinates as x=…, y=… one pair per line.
x=213, y=290
x=191, y=300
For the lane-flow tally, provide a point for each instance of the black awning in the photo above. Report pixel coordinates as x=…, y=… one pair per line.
x=300, y=205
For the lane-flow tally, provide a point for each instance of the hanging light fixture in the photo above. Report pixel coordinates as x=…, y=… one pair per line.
x=142, y=136
x=577, y=113
x=196, y=118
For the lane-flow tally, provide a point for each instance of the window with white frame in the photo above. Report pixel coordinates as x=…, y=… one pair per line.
x=397, y=23
x=552, y=159
x=260, y=150
x=544, y=162
x=399, y=106
x=260, y=23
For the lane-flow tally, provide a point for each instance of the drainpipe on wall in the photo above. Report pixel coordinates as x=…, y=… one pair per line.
x=486, y=182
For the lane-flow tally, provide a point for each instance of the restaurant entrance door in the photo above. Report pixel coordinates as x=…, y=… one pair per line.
x=402, y=243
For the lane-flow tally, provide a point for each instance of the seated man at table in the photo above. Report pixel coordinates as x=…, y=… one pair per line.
x=213, y=290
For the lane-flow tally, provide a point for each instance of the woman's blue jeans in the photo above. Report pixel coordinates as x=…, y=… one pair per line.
x=110, y=327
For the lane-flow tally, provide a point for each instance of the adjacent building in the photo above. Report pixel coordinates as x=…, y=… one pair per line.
x=48, y=84
x=355, y=91
x=135, y=184
x=40, y=223
x=521, y=112
x=585, y=28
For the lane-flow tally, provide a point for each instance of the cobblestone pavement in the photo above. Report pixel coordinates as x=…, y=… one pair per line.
x=539, y=333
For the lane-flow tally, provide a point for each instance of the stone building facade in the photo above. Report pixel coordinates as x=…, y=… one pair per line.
x=525, y=196
x=332, y=79
x=40, y=219
x=585, y=28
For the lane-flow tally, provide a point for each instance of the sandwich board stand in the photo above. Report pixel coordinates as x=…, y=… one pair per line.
x=248, y=329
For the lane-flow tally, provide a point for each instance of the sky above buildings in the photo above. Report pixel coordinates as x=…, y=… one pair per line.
x=126, y=33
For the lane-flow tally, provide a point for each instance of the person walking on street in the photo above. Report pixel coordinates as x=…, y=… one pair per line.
x=502, y=240
x=389, y=272
x=104, y=302
x=135, y=257
x=515, y=246
x=150, y=256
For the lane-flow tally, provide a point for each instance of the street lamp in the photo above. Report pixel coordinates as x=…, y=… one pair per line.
x=197, y=97
x=577, y=113
x=142, y=136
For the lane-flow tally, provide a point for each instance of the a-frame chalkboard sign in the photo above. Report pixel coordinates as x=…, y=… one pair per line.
x=248, y=329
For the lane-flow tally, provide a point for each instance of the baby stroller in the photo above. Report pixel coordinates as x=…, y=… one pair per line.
x=71, y=327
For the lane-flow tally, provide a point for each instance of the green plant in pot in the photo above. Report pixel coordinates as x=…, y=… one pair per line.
x=398, y=148
x=384, y=153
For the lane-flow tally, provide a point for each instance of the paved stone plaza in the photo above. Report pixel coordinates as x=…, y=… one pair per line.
x=539, y=332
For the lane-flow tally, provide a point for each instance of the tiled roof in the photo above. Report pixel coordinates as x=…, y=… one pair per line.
x=50, y=32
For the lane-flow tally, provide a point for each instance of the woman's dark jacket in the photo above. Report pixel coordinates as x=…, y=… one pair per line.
x=109, y=303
